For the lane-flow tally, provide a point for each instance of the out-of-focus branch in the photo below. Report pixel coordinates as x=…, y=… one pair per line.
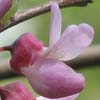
x=88, y=58
x=43, y=8
x=5, y=70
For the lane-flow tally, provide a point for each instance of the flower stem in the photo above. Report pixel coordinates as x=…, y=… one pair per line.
x=6, y=48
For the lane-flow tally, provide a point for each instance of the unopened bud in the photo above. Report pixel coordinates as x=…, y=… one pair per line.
x=15, y=91
x=7, y=10
x=5, y=5
x=24, y=51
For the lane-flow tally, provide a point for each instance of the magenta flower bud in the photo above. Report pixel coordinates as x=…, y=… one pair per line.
x=15, y=91
x=5, y=5
x=25, y=51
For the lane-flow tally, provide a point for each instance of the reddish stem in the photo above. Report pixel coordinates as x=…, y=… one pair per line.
x=6, y=48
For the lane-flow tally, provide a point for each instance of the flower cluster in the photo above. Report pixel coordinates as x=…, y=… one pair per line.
x=43, y=66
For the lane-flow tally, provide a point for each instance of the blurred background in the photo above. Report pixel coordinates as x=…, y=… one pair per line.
x=40, y=27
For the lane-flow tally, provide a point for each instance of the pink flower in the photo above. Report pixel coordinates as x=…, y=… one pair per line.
x=18, y=91
x=43, y=66
x=49, y=76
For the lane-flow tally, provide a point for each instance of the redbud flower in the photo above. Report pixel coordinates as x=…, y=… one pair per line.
x=43, y=66
x=49, y=76
x=15, y=91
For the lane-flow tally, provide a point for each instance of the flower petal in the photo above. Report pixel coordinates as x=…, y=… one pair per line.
x=72, y=97
x=54, y=79
x=55, y=26
x=15, y=91
x=24, y=51
x=5, y=5
x=73, y=41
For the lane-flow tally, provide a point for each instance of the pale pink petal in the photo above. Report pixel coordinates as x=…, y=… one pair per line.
x=55, y=25
x=54, y=79
x=72, y=97
x=73, y=41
